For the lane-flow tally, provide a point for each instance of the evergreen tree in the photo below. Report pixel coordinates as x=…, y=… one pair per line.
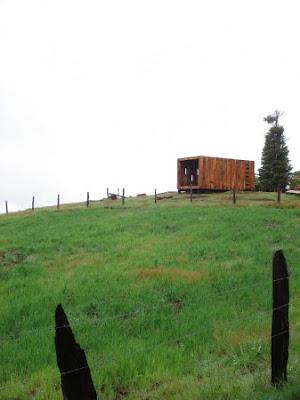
x=275, y=165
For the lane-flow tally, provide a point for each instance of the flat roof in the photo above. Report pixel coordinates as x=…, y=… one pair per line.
x=220, y=158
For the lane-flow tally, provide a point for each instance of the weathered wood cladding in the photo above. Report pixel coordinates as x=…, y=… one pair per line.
x=214, y=173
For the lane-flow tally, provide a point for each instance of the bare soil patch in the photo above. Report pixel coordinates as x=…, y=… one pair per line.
x=173, y=273
x=11, y=257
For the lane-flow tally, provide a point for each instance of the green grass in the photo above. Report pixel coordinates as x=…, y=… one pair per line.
x=169, y=301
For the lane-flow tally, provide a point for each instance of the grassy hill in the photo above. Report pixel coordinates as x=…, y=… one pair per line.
x=169, y=301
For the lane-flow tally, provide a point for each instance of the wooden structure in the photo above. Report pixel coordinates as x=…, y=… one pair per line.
x=203, y=173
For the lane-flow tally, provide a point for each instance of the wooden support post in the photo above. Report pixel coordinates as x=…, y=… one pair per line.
x=191, y=193
x=155, y=197
x=123, y=197
x=87, y=199
x=32, y=204
x=278, y=194
x=280, y=320
x=107, y=193
x=58, y=199
x=6, y=207
x=234, y=196
x=76, y=380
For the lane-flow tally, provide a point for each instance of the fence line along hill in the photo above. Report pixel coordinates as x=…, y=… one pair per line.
x=168, y=300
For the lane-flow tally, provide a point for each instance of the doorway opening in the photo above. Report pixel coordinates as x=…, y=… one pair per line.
x=189, y=172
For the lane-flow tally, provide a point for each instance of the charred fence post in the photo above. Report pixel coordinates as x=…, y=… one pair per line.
x=76, y=380
x=32, y=204
x=123, y=197
x=280, y=319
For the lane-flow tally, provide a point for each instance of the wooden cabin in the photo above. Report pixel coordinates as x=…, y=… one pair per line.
x=203, y=173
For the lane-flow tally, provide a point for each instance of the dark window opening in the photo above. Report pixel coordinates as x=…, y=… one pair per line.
x=189, y=172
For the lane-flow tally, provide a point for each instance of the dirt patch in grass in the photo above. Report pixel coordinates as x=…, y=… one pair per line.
x=121, y=393
x=249, y=368
x=242, y=336
x=72, y=262
x=245, y=336
x=177, y=305
x=84, y=259
x=182, y=259
x=10, y=257
x=173, y=273
x=149, y=244
x=184, y=240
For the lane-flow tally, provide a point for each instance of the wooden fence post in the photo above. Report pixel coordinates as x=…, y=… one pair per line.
x=58, y=199
x=32, y=204
x=76, y=380
x=6, y=207
x=234, y=196
x=88, y=199
x=107, y=193
x=123, y=197
x=155, y=197
x=280, y=319
x=191, y=193
x=278, y=193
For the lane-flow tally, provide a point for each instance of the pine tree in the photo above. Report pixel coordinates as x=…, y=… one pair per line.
x=275, y=165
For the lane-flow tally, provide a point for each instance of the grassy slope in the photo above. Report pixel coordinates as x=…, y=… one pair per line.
x=169, y=301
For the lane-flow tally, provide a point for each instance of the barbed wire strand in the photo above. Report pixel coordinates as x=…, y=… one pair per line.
x=204, y=362
x=102, y=322
x=195, y=333
x=136, y=312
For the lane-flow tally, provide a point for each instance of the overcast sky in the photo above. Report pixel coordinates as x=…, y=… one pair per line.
x=110, y=93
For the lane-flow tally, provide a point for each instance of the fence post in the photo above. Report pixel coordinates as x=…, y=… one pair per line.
x=107, y=193
x=6, y=207
x=234, y=196
x=280, y=319
x=32, y=204
x=155, y=197
x=76, y=380
x=123, y=197
x=58, y=199
x=278, y=193
x=191, y=193
x=88, y=199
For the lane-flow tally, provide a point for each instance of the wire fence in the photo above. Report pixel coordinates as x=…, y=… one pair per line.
x=178, y=335
x=204, y=363
x=87, y=201
x=257, y=316
x=102, y=321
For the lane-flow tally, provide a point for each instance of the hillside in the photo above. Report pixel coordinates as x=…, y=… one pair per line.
x=169, y=301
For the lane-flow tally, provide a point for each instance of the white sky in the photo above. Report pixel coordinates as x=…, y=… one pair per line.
x=110, y=93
